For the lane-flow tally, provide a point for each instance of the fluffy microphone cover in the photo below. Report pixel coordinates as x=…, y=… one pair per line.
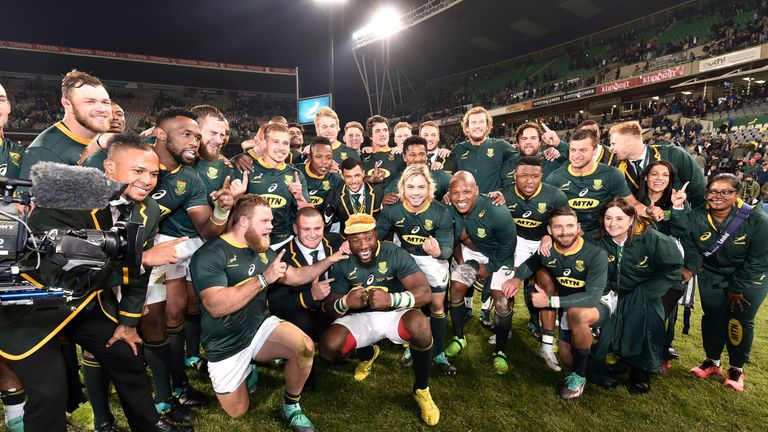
x=67, y=187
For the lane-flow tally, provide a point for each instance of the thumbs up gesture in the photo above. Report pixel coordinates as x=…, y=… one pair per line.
x=539, y=298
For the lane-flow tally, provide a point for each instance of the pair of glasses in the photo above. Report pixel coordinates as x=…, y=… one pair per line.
x=727, y=193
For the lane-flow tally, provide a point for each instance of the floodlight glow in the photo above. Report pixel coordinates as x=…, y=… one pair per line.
x=747, y=79
x=655, y=98
x=760, y=82
x=330, y=1
x=384, y=23
x=686, y=93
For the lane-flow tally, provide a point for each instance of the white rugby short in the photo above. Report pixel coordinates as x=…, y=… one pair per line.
x=370, y=327
x=156, y=291
x=434, y=269
x=525, y=249
x=228, y=374
x=497, y=278
x=610, y=301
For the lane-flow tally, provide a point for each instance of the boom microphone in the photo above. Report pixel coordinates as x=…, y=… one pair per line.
x=68, y=187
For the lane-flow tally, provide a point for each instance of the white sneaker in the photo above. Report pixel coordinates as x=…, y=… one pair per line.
x=548, y=354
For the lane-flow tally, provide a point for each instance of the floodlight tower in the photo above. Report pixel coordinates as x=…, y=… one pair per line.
x=377, y=75
x=329, y=5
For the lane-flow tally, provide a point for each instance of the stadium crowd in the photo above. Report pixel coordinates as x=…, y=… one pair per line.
x=292, y=247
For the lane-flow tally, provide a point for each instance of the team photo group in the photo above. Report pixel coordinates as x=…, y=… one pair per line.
x=297, y=254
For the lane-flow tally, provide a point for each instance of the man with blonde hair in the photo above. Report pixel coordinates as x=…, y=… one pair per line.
x=484, y=157
x=402, y=130
x=327, y=126
x=627, y=143
x=354, y=134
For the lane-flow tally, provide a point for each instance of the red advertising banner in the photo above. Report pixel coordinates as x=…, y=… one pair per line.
x=52, y=49
x=645, y=79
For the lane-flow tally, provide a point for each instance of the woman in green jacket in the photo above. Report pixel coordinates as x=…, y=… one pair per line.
x=643, y=265
x=732, y=277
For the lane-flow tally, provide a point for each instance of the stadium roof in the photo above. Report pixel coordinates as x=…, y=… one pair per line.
x=289, y=33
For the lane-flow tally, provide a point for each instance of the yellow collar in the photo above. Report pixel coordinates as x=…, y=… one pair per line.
x=65, y=130
x=310, y=173
x=407, y=207
x=532, y=196
x=175, y=170
x=579, y=245
x=590, y=172
x=227, y=238
x=266, y=164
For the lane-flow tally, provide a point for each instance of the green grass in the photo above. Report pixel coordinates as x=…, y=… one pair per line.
x=524, y=399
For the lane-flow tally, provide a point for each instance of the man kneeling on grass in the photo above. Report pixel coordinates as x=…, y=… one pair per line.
x=230, y=275
x=375, y=295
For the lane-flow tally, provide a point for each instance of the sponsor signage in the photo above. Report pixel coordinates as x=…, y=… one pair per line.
x=645, y=79
x=730, y=59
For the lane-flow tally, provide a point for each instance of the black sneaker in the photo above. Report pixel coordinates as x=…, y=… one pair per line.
x=188, y=396
x=109, y=426
x=164, y=426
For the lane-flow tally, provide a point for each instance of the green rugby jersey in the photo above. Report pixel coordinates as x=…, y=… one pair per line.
x=547, y=167
x=414, y=228
x=441, y=178
x=176, y=192
x=532, y=214
x=581, y=275
x=488, y=162
x=741, y=260
x=686, y=170
x=10, y=157
x=651, y=261
x=341, y=151
x=491, y=230
x=390, y=164
x=224, y=262
x=55, y=144
x=212, y=174
x=390, y=265
x=586, y=192
x=96, y=160
x=271, y=182
x=318, y=187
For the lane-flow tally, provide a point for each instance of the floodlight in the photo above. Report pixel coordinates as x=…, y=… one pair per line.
x=760, y=82
x=686, y=93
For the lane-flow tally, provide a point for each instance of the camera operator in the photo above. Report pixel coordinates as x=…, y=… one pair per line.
x=98, y=320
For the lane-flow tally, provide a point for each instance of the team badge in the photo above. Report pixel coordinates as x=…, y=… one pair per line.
x=643, y=263
x=383, y=267
x=288, y=179
x=481, y=232
x=667, y=214
x=542, y=208
x=740, y=240
x=326, y=185
x=212, y=173
x=597, y=184
x=464, y=156
x=263, y=257
x=15, y=157
x=257, y=178
x=400, y=223
x=611, y=258
x=489, y=152
x=391, y=157
x=181, y=187
x=552, y=263
x=482, y=213
x=343, y=155
x=428, y=224
x=565, y=186
x=580, y=265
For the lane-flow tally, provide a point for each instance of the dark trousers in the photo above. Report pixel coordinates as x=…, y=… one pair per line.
x=44, y=376
x=313, y=322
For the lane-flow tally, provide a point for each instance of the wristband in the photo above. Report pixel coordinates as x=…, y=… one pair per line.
x=98, y=143
x=554, y=302
x=402, y=299
x=340, y=306
x=219, y=214
x=262, y=280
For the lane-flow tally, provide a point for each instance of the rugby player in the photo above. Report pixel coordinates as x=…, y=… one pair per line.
x=355, y=195
x=488, y=238
x=231, y=275
x=382, y=165
x=327, y=126
x=317, y=172
x=587, y=183
x=578, y=278
x=531, y=203
x=424, y=228
x=282, y=184
x=373, y=296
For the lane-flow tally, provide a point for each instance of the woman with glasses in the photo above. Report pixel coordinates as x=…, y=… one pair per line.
x=643, y=265
x=727, y=246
